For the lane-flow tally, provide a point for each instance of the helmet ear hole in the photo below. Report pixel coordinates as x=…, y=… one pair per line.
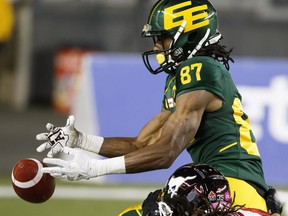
x=192, y=37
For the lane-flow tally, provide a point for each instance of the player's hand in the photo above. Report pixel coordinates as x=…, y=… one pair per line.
x=74, y=169
x=273, y=203
x=58, y=137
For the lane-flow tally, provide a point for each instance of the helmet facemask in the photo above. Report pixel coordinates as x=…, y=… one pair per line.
x=167, y=58
x=182, y=205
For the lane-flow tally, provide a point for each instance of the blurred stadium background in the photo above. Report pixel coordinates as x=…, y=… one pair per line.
x=83, y=57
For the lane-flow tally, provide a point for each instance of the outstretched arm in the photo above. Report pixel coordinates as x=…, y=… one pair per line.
x=149, y=134
x=163, y=138
x=172, y=138
x=68, y=136
x=176, y=134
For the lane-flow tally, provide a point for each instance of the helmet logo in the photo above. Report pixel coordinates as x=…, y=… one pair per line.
x=212, y=196
x=175, y=183
x=174, y=16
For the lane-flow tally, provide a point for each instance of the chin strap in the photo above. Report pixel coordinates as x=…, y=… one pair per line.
x=213, y=40
x=199, y=45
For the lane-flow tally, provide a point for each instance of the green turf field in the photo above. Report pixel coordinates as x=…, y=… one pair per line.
x=101, y=200
x=103, y=204
x=63, y=207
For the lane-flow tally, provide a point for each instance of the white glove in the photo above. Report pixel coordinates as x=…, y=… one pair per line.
x=82, y=166
x=59, y=137
x=79, y=167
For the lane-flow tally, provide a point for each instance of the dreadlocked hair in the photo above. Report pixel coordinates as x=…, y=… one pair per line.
x=220, y=210
x=217, y=52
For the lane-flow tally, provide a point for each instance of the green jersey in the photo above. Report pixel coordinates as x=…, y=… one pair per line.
x=224, y=139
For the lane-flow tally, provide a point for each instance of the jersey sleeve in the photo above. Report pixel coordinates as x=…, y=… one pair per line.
x=168, y=102
x=201, y=73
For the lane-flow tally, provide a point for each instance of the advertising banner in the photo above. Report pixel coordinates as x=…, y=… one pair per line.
x=126, y=96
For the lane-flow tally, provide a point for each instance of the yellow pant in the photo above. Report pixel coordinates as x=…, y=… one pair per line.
x=132, y=211
x=246, y=194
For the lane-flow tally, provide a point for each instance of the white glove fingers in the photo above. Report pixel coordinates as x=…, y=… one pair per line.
x=43, y=147
x=50, y=127
x=42, y=136
x=62, y=173
x=58, y=175
x=70, y=121
x=51, y=153
x=53, y=171
x=56, y=161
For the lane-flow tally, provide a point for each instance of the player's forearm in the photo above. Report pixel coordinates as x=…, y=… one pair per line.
x=108, y=147
x=175, y=136
x=117, y=146
x=149, y=134
x=160, y=155
x=147, y=159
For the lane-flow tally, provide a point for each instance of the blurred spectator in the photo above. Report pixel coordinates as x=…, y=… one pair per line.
x=6, y=52
x=6, y=21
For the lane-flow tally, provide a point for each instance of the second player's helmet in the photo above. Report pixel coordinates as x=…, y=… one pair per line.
x=196, y=186
x=191, y=24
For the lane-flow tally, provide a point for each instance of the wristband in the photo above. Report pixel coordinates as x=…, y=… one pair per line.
x=114, y=165
x=90, y=142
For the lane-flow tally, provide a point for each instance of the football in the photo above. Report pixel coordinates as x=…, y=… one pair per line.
x=30, y=183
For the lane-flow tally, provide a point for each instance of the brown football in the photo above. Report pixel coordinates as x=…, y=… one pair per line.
x=30, y=183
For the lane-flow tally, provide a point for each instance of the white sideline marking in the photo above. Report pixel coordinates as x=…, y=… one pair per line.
x=80, y=192
x=102, y=193
x=105, y=193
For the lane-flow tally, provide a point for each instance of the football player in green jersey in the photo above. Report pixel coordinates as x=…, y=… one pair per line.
x=201, y=111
